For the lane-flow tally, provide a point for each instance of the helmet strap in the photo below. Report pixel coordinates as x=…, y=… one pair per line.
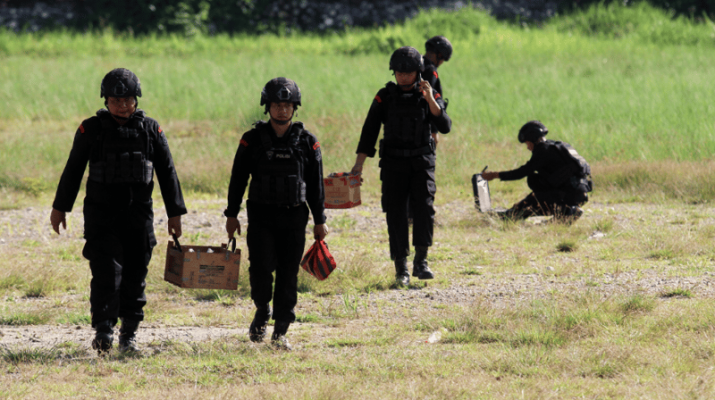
x=411, y=86
x=279, y=122
x=118, y=117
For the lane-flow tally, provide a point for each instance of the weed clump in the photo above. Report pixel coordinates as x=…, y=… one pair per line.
x=637, y=304
x=678, y=292
x=566, y=246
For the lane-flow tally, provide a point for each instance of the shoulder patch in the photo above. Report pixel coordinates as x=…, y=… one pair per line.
x=160, y=130
x=316, y=146
x=81, y=128
x=243, y=143
x=435, y=74
x=437, y=95
x=378, y=99
x=318, y=153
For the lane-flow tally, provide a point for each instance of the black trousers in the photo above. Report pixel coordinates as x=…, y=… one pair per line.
x=547, y=200
x=276, y=241
x=119, y=247
x=408, y=181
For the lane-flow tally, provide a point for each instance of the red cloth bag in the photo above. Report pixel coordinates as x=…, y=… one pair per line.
x=318, y=261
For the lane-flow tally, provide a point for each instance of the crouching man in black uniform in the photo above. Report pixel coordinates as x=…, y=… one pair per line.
x=285, y=164
x=124, y=148
x=407, y=158
x=559, y=177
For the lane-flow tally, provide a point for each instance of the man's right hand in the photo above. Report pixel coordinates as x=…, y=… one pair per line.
x=57, y=217
x=488, y=176
x=357, y=169
x=359, y=161
x=232, y=226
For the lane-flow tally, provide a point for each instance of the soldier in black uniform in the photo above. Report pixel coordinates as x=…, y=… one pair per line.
x=124, y=148
x=285, y=164
x=438, y=49
x=557, y=174
x=407, y=158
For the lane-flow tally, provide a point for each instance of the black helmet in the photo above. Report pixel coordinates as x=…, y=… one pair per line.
x=532, y=131
x=280, y=89
x=120, y=82
x=441, y=45
x=406, y=59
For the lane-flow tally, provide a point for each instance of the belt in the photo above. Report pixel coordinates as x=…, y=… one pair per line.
x=405, y=153
x=288, y=206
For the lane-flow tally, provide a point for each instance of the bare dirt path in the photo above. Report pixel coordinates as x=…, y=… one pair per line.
x=489, y=287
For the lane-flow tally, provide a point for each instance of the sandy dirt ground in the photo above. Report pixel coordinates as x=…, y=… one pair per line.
x=496, y=290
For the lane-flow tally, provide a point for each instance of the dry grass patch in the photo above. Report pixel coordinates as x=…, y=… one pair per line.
x=688, y=181
x=596, y=325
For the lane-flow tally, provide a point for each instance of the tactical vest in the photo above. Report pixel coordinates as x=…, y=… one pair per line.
x=407, y=132
x=121, y=153
x=576, y=171
x=278, y=175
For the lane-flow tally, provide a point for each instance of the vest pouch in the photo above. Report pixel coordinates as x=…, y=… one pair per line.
x=582, y=184
x=110, y=170
x=280, y=191
x=121, y=153
x=289, y=190
x=302, y=193
x=406, y=125
x=293, y=189
x=410, y=131
x=401, y=129
x=277, y=178
x=265, y=188
x=137, y=167
x=125, y=168
x=148, y=171
x=97, y=171
x=122, y=168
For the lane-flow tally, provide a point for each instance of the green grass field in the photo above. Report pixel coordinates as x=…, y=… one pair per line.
x=621, y=100
x=618, y=305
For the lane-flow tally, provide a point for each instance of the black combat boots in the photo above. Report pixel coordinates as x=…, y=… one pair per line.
x=278, y=339
x=128, y=336
x=573, y=213
x=402, y=274
x=257, y=330
x=103, y=337
x=420, y=269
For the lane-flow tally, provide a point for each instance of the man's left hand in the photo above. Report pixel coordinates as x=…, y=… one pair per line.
x=320, y=231
x=174, y=226
x=57, y=218
x=426, y=90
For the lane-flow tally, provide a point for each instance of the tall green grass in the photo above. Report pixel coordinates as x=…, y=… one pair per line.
x=641, y=21
x=638, y=21
x=641, y=94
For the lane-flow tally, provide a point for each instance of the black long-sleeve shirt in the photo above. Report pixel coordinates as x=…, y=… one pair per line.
x=82, y=147
x=430, y=75
x=244, y=165
x=379, y=112
x=545, y=159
